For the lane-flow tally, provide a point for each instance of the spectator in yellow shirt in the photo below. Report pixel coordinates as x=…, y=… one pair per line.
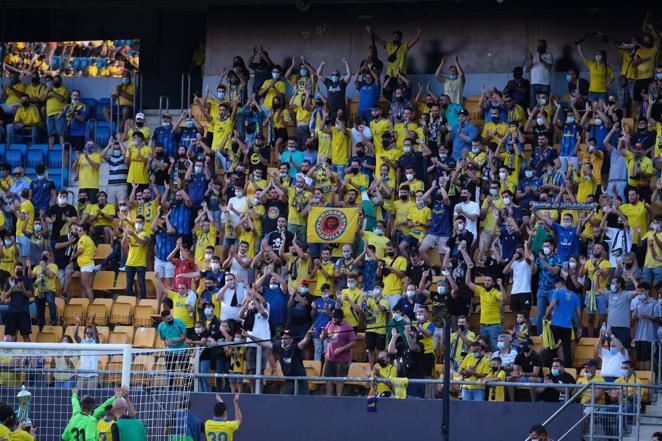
x=87, y=164
x=124, y=94
x=12, y=94
x=27, y=121
x=600, y=74
x=56, y=96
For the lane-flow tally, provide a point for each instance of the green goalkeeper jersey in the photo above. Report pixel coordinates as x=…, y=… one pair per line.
x=83, y=427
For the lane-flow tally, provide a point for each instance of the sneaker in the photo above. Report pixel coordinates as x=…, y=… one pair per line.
x=122, y=268
x=97, y=267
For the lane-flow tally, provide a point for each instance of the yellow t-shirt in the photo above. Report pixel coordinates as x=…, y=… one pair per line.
x=388, y=371
x=627, y=68
x=204, y=240
x=339, y=146
x=482, y=367
x=658, y=139
x=375, y=318
x=94, y=210
x=379, y=242
x=27, y=208
x=586, y=395
x=422, y=215
x=88, y=176
x=221, y=128
x=428, y=342
x=43, y=283
x=323, y=143
x=592, y=273
x=629, y=391
x=401, y=130
x=351, y=316
x=145, y=209
x=20, y=435
x=251, y=237
x=321, y=279
x=279, y=85
x=649, y=262
x=497, y=393
x=500, y=129
x=488, y=222
x=12, y=97
x=490, y=305
x=392, y=282
x=637, y=218
x=105, y=429
x=29, y=116
x=35, y=92
x=138, y=169
x=399, y=64
x=645, y=165
x=401, y=212
x=180, y=308
x=55, y=106
x=8, y=260
x=458, y=344
x=4, y=432
x=87, y=245
x=129, y=89
x=144, y=130
x=297, y=202
x=586, y=187
x=646, y=68
x=600, y=74
x=218, y=429
x=137, y=255
x=378, y=128
x=357, y=181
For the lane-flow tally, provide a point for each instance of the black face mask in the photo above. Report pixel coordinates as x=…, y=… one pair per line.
x=526, y=348
x=355, y=171
x=391, y=253
x=466, y=198
x=19, y=273
x=57, y=83
x=404, y=197
x=139, y=124
x=383, y=362
x=360, y=154
x=461, y=327
x=25, y=103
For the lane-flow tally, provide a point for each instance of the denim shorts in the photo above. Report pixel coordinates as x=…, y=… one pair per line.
x=56, y=125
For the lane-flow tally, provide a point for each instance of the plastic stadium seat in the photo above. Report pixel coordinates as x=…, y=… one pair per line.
x=69, y=330
x=42, y=147
x=103, y=251
x=150, y=302
x=358, y=370
x=103, y=331
x=72, y=312
x=2, y=153
x=142, y=315
x=57, y=330
x=144, y=338
x=102, y=133
x=47, y=337
x=91, y=104
x=101, y=63
x=131, y=300
x=104, y=280
x=84, y=63
x=101, y=104
x=55, y=62
x=118, y=338
x=55, y=175
x=34, y=157
x=23, y=148
x=14, y=158
x=80, y=301
x=120, y=313
x=54, y=160
x=128, y=330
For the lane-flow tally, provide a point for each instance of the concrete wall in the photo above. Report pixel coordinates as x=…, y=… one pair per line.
x=488, y=38
x=301, y=418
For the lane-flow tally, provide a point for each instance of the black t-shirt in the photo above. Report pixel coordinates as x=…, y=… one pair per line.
x=552, y=395
x=415, y=272
x=411, y=363
x=273, y=209
x=290, y=360
x=63, y=256
x=457, y=239
x=254, y=157
x=336, y=94
x=527, y=363
x=275, y=241
x=18, y=302
x=60, y=214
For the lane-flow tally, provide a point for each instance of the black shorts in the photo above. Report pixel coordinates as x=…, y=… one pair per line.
x=639, y=86
x=643, y=349
x=18, y=321
x=520, y=302
x=375, y=341
x=281, y=133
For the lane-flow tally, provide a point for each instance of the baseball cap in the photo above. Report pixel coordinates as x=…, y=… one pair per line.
x=590, y=363
x=463, y=112
x=140, y=115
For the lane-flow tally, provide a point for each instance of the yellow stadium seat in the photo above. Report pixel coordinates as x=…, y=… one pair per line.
x=141, y=366
x=104, y=281
x=57, y=330
x=2, y=330
x=128, y=330
x=358, y=370
x=83, y=301
x=72, y=312
x=131, y=300
x=103, y=332
x=158, y=343
x=114, y=364
x=59, y=306
x=120, y=283
x=359, y=353
x=69, y=330
x=121, y=313
x=119, y=338
x=103, y=301
x=583, y=354
x=144, y=337
x=97, y=314
x=47, y=337
x=142, y=315
x=75, y=289
x=150, y=302
x=150, y=281
x=103, y=251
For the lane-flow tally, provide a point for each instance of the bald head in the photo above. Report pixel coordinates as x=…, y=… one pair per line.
x=119, y=408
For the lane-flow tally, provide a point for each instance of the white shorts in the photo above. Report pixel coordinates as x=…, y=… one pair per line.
x=164, y=269
x=87, y=268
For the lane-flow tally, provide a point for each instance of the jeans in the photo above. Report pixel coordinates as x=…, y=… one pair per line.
x=320, y=348
x=473, y=394
x=620, y=187
x=47, y=298
x=340, y=169
x=652, y=275
x=223, y=367
x=131, y=272
x=23, y=244
x=203, y=383
x=542, y=299
x=493, y=332
x=33, y=132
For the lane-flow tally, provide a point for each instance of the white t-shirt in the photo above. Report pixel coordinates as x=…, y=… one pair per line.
x=470, y=207
x=239, y=204
x=521, y=277
x=506, y=359
x=619, y=239
x=261, y=328
x=229, y=312
x=539, y=73
x=356, y=135
x=88, y=362
x=611, y=364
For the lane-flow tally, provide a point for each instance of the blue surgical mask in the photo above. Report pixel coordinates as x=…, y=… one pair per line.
x=335, y=78
x=441, y=289
x=275, y=75
x=568, y=77
x=625, y=373
x=501, y=345
x=555, y=372
x=189, y=124
x=452, y=77
x=613, y=350
x=303, y=72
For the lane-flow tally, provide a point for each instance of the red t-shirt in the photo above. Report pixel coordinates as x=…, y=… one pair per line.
x=339, y=336
x=183, y=267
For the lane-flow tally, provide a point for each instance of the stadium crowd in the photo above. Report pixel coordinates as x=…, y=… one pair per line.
x=216, y=203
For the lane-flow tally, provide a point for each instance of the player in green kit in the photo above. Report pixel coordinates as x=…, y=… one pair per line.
x=82, y=425
x=219, y=428
x=127, y=427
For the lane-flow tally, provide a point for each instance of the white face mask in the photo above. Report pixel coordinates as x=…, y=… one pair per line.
x=273, y=285
x=528, y=173
x=208, y=256
x=567, y=224
x=238, y=193
x=209, y=312
x=475, y=150
x=409, y=176
x=506, y=201
x=546, y=251
x=540, y=121
x=139, y=226
x=460, y=227
x=61, y=200
x=411, y=294
x=572, y=265
x=502, y=175
x=598, y=121
x=215, y=266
